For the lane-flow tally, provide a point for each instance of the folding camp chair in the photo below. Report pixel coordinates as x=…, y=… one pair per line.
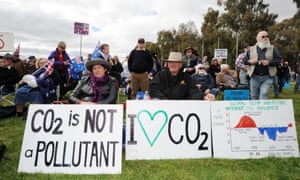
x=7, y=94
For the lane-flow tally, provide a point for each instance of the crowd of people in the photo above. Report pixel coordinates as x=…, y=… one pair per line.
x=184, y=75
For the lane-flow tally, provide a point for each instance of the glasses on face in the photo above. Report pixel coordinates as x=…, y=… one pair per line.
x=266, y=36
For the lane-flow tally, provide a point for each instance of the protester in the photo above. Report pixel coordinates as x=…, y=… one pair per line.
x=8, y=74
x=262, y=58
x=204, y=81
x=61, y=65
x=214, y=68
x=297, y=72
x=104, y=52
x=140, y=64
x=37, y=88
x=19, y=64
x=284, y=75
x=97, y=87
x=190, y=59
x=116, y=69
x=227, y=78
x=241, y=67
x=173, y=83
x=30, y=66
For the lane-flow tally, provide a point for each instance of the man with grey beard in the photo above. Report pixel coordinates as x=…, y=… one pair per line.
x=262, y=59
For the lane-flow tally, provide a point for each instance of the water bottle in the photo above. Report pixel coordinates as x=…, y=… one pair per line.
x=146, y=95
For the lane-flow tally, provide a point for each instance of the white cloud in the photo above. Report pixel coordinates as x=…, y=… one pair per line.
x=39, y=25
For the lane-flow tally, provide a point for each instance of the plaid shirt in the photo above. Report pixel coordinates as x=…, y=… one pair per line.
x=239, y=61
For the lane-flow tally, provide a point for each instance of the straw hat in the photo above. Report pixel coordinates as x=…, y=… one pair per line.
x=175, y=57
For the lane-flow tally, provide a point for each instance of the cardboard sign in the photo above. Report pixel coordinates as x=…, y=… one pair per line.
x=81, y=28
x=254, y=129
x=221, y=53
x=167, y=129
x=72, y=139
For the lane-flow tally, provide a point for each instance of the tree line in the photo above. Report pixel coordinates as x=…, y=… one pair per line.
x=239, y=23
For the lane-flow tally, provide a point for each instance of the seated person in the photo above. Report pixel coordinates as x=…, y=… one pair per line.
x=204, y=81
x=36, y=88
x=227, y=78
x=8, y=75
x=173, y=83
x=97, y=87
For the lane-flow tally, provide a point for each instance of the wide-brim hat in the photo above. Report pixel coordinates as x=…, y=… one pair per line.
x=175, y=57
x=98, y=61
x=188, y=48
x=8, y=56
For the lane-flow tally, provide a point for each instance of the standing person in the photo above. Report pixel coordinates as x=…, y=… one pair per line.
x=140, y=64
x=241, y=67
x=297, y=71
x=262, y=58
x=284, y=75
x=190, y=59
x=173, y=83
x=97, y=87
x=116, y=69
x=61, y=65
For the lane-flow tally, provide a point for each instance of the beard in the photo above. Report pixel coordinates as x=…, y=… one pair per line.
x=263, y=45
x=202, y=72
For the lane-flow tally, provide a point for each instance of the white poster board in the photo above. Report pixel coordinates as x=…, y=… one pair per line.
x=167, y=129
x=6, y=42
x=72, y=139
x=254, y=129
x=221, y=53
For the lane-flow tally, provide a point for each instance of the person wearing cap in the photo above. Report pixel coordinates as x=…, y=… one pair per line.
x=263, y=59
x=140, y=64
x=97, y=87
x=241, y=67
x=8, y=74
x=36, y=88
x=173, y=83
x=190, y=59
x=61, y=64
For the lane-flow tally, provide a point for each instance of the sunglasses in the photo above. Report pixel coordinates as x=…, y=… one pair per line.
x=263, y=37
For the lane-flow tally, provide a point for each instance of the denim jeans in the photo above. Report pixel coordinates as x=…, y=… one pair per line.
x=260, y=86
x=243, y=77
x=297, y=83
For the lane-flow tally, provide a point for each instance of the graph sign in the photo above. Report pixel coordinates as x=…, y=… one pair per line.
x=254, y=129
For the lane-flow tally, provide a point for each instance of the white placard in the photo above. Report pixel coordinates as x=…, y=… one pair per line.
x=254, y=129
x=167, y=129
x=72, y=139
x=6, y=42
x=221, y=53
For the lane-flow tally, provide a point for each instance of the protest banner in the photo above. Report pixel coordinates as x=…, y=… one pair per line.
x=72, y=139
x=167, y=129
x=254, y=129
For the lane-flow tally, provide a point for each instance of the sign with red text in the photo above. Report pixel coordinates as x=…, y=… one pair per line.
x=254, y=129
x=6, y=42
x=81, y=28
x=72, y=139
x=167, y=129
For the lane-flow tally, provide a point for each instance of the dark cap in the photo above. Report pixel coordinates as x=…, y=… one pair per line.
x=8, y=56
x=246, y=45
x=31, y=57
x=141, y=40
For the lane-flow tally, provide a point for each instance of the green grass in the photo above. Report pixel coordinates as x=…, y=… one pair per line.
x=12, y=129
